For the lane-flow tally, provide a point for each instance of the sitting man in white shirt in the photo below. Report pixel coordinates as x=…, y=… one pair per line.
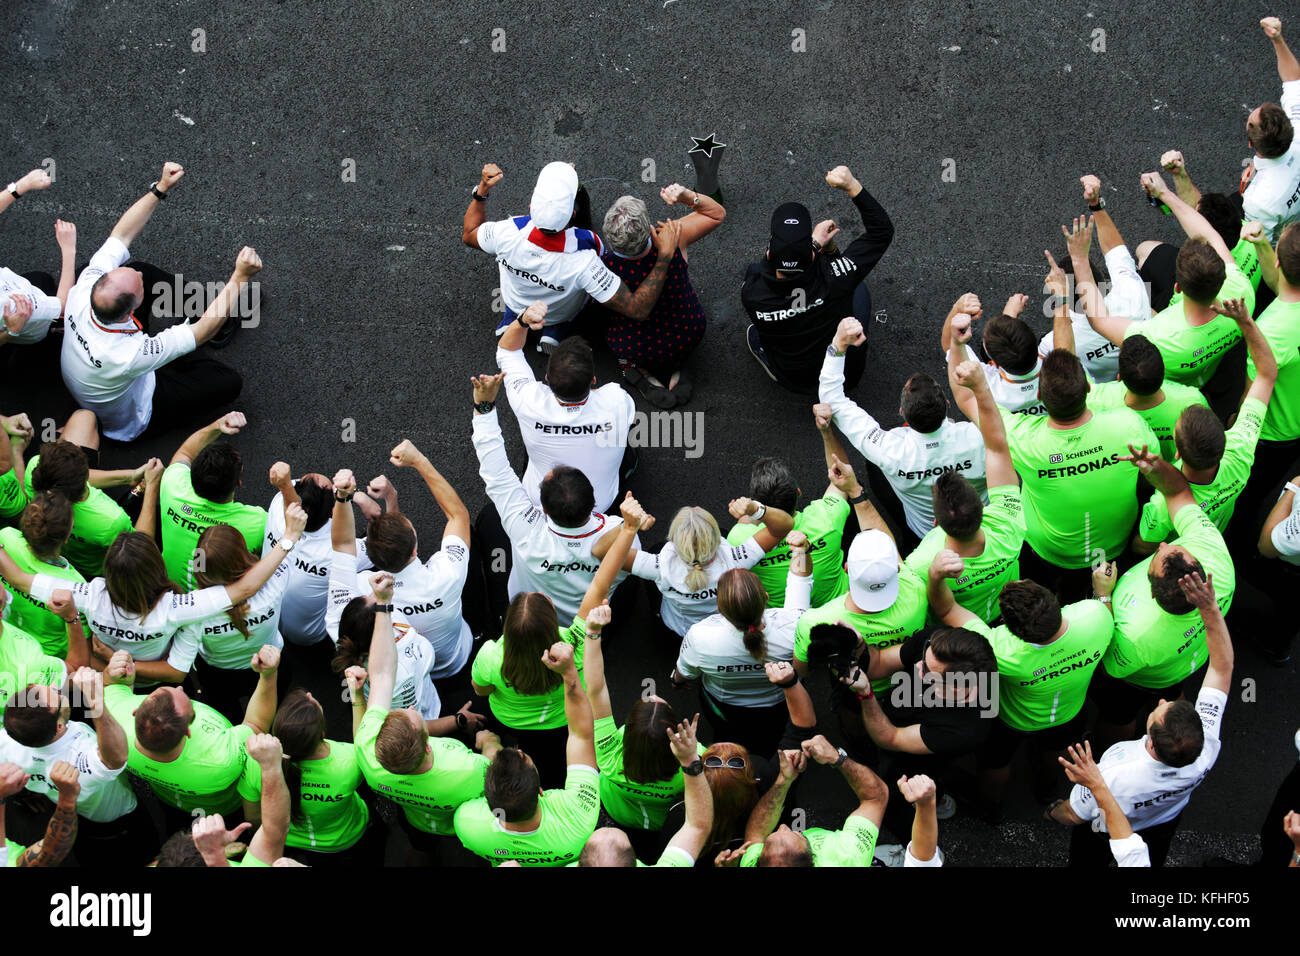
x=555, y=548
x=911, y=457
x=1013, y=362
x=552, y=255
x=133, y=380
x=1153, y=778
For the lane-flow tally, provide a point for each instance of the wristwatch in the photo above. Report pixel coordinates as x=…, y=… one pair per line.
x=344, y=499
x=844, y=755
x=520, y=319
x=474, y=192
x=383, y=609
x=697, y=198
x=695, y=768
x=1101, y=204
x=13, y=190
x=859, y=498
x=1290, y=486
x=153, y=188
x=287, y=545
x=759, y=511
x=832, y=351
x=484, y=407
x=1103, y=598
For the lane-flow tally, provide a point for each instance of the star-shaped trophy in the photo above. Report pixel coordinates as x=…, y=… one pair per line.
x=706, y=154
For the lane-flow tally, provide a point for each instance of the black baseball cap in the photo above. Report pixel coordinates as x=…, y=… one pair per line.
x=791, y=246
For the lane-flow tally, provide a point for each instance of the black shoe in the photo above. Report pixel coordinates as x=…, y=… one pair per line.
x=226, y=334
x=756, y=350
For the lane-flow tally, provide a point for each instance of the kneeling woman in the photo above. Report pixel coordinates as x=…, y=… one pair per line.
x=526, y=697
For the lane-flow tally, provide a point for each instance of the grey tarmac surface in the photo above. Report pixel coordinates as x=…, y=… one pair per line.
x=373, y=310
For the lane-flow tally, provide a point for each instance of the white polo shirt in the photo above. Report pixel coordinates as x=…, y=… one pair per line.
x=417, y=660
x=545, y=557
x=1272, y=198
x=1015, y=393
x=560, y=270
x=714, y=651
x=105, y=794
x=682, y=607
x=220, y=642
x=109, y=369
x=910, y=460
x=45, y=308
x=159, y=635
x=1127, y=296
x=590, y=435
x=1148, y=792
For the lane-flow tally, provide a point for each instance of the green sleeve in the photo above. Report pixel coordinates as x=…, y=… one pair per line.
x=250, y=782
x=486, y=670
x=609, y=746
x=1154, y=525
x=751, y=855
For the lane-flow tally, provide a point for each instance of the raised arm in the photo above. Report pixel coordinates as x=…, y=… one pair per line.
x=776, y=523
x=997, y=453
x=767, y=812
x=797, y=699
x=957, y=357
x=967, y=304
x=247, y=264
x=112, y=738
x=593, y=664
x=1194, y=224
x=1218, y=643
x=61, y=602
x=920, y=791
x=34, y=180
x=406, y=455
x=1288, y=69
x=476, y=212
x=846, y=484
x=61, y=831
x=880, y=728
x=267, y=844
x=699, y=798
x=1108, y=236
x=616, y=558
x=229, y=424
x=147, y=521
x=1280, y=512
x=1163, y=476
x=1172, y=162
x=134, y=219
x=343, y=523
x=1253, y=232
x=1261, y=353
x=260, y=711
x=65, y=234
x=382, y=661
x=706, y=214
x=580, y=750
x=946, y=564
x=295, y=520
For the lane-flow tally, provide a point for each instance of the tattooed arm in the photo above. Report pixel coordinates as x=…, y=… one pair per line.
x=61, y=832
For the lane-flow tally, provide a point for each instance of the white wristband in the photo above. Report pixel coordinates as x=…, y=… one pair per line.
x=762, y=510
x=1290, y=486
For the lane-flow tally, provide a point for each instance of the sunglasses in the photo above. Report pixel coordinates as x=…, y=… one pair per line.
x=732, y=763
x=925, y=649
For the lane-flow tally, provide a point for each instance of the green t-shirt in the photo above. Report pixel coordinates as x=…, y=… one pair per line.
x=333, y=815
x=13, y=495
x=568, y=820
x=526, y=711
x=884, y=628
x=23, y=661
x=1162, y=418
x=855, y=845
x=823, y=522
x=186, y=515
x=643, y=806
x=206, y=773
x=1192, y=354
x=1042, y=685
x=96, y=523
x=1280, y=324
x=1080, y=499
x=1152, y=648
x=1248, y=262
x=1217, y=499
x=27, y=612
x=428, y=799
x=984, y=576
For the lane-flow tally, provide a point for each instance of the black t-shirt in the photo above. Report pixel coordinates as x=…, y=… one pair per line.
x=796, y=318
x=947, y=729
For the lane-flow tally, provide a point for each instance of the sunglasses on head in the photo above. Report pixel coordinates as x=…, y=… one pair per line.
x=732, y=763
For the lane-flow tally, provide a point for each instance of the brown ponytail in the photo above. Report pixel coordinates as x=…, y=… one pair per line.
x=46, y=523
x=742, y=601
x=225, y=559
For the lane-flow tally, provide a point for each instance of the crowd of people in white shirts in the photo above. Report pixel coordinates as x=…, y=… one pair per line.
x=1053, y=572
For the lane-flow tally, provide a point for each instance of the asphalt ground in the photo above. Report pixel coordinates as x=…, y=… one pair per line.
x=971, y=123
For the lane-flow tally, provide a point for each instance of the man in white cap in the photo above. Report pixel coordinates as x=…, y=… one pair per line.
x=546, y=256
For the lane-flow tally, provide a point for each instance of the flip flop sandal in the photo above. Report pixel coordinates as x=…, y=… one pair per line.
x=656, y=395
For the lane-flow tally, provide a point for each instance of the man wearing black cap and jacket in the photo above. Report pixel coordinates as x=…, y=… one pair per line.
x=796, y=297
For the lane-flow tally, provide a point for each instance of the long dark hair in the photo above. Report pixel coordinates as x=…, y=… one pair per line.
x=531, y=627
x=647, y=756
x=356, y=631
x=135, y=575
x=225, y=560
x=742, y=601
x=300, y=727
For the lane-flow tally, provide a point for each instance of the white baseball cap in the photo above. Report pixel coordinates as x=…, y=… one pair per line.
x=873, y=570
x=554, y=196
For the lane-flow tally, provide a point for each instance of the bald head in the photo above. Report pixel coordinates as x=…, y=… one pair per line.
x=116, y=294
x=608, y=847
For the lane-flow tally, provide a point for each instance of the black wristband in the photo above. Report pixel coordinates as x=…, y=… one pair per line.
x=477, y=198
x=383, y=609
x=153, y=188
x=1101, y=204
x=461, y=721
x=695, y=768
x=860, y=498
x=343, y=500
x=484, y=407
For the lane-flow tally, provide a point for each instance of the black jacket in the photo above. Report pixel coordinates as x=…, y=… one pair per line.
x=796, y=318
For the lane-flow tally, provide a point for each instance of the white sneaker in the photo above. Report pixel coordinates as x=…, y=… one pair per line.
x=945, y=808
x=547, y=343
x=891, y=854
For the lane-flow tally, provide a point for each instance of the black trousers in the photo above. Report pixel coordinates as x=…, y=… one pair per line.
x=1091, y=851
x=1276, y=844
x=891, y=509
x=757, y=729
x=224, y=689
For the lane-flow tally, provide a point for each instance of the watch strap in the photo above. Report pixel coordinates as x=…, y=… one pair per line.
x=484, y=407
x=153, y=188
x=694, y=768
x=844, y=755
x=383, y=609
x=12, y=189
x=857, y=500
x=1101, y=204
x=477, y=198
